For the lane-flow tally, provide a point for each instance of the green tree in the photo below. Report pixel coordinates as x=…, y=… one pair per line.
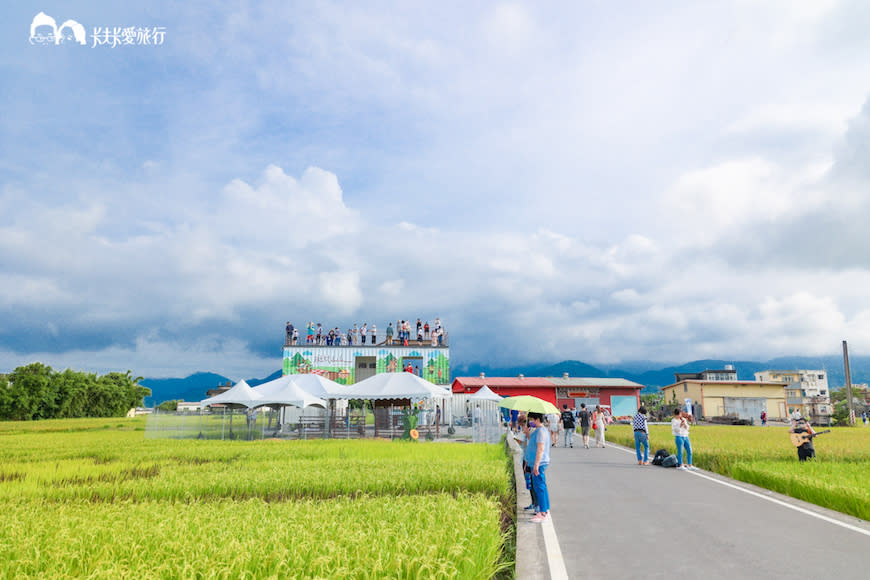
x=5, y=398
x=168, y=405
x=32, y=393
x=72, y=389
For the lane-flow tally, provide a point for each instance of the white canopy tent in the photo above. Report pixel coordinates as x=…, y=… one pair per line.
x=241, y=395
x=288, y=390
x=400, y=385
x=484, y=393
x=486, y=423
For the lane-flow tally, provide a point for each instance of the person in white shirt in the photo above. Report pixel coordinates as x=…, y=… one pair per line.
x=680, y=429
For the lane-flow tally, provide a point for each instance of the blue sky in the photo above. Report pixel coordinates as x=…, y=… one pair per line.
x=569, y=180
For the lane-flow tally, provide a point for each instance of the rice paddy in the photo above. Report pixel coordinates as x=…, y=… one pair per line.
x=94, y=498
x=838, y=479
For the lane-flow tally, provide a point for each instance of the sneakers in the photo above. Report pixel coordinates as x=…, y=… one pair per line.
x=531, y=507
x=683, y=468
x=693, y=468
x=540, y=517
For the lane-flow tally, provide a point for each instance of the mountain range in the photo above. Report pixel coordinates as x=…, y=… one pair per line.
x=650, y=374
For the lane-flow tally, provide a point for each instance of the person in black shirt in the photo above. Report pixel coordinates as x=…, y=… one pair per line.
x=585, y=420
x=568, y=425
x=806, y=450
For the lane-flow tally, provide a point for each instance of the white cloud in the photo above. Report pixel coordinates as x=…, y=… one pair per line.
x=577, y=181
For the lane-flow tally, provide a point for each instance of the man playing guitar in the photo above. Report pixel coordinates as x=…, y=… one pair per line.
x=801, y=426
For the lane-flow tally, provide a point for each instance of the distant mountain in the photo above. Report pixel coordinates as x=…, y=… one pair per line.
x=650, y=374
x=192, y=388
x=653, y=376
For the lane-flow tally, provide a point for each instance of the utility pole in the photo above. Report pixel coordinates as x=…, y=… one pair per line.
x=848, y=383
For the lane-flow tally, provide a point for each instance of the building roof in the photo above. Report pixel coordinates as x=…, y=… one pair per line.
x=596, y=382
x=725, y=383
x=538, y=382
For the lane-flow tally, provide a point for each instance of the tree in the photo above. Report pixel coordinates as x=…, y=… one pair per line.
x=32, y=393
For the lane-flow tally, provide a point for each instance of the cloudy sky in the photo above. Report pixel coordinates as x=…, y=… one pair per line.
x=599, y=181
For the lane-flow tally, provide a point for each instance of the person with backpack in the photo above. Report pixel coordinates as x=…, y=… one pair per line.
x=568, y=425
x=585, y=420
x=680, y=429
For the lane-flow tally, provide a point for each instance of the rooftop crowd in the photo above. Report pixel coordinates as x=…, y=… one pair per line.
x=402, y=334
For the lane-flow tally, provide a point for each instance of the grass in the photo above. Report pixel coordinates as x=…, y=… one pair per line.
x=94, y=498
x=838, y=479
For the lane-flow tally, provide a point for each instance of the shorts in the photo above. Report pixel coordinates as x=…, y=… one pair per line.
x=584, y=431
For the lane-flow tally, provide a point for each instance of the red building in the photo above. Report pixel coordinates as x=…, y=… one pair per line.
x=621, y=396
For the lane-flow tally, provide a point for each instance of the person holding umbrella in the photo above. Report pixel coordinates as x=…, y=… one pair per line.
x=538, y=456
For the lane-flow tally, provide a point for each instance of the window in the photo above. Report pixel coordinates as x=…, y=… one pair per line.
x=685, y=388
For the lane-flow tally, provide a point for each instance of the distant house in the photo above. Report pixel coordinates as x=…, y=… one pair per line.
x=620, y=395
x=806, y=391
x=719, y=393
x=188, y=407
x=726, y=374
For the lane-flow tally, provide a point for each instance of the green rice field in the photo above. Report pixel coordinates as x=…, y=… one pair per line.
x=96, y=499
x=838, y=479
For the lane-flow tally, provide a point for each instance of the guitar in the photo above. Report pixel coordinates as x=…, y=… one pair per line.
x=799, y=439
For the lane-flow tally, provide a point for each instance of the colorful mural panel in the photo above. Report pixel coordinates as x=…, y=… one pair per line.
x=339, y=363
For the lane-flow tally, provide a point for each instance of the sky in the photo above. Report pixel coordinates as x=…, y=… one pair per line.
x=595, y=181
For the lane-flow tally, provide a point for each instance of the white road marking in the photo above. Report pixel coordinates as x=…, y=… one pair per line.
x=772, y=499
x=554, y=553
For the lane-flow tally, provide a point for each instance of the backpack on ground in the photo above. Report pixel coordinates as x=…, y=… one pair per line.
x=670, y=461
x=660, y=456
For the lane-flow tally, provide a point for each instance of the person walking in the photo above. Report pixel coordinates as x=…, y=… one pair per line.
x=585, y=420
x=641, y=436
x=568, y=425
x=763, y=418
x=539, y=441
x=554, y=423
x=680, y=430
x=599, y=422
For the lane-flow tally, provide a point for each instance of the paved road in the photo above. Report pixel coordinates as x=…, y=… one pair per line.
x=612, y=518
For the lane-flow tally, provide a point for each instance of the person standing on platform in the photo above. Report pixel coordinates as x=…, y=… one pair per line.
x=390, y=334
x=641, y=435
x=374, y=332
x=540, y=442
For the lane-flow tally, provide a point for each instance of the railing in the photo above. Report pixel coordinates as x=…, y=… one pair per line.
x=371, y=341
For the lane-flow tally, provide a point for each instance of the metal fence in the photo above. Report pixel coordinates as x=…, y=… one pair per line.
x=226, y=423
